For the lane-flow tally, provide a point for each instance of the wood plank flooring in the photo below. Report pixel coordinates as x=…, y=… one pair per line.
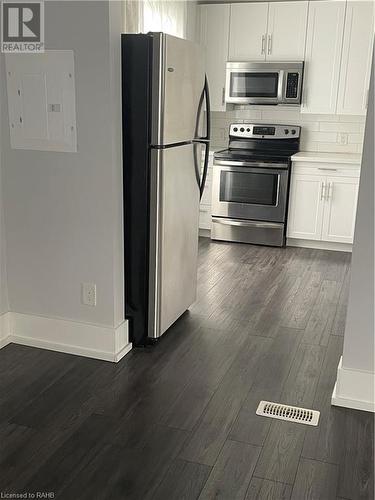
x=177, y=421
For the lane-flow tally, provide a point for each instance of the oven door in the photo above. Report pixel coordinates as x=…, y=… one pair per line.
x=257, y=192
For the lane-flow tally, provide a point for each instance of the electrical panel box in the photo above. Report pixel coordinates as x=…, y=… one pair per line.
x=41, y=101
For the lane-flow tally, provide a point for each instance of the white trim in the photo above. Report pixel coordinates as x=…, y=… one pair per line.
x=93, y=341
x=4, y=329
x=322, y=245
x=354, y=389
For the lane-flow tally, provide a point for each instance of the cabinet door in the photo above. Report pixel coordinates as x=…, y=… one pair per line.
x=214, y=39
x=340, y=209
x=322, y=58
x=356, y=58
x=287, y=23
x=306, y=207
x=248, y=31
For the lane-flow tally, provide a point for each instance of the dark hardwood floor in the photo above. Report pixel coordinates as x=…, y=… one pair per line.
x=177, y=421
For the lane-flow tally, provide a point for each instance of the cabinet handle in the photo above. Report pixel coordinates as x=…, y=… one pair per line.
x=223, y=96
x=263, y=44
x=330, y=190
x=269, y=44
x=323, y=191
x=330, y=169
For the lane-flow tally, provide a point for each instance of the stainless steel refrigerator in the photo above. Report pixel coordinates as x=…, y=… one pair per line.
x=164, y=92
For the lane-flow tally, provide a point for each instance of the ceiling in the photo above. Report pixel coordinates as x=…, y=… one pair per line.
x=245, y=1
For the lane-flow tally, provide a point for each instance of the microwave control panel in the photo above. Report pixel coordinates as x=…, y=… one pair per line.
x=292, y=85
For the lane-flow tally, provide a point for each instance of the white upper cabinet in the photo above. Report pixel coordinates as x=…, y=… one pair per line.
x=248, y=31
x=356, y=58
x=214, y=39
x=268, y=31
x=286, y=34
x=323, y=55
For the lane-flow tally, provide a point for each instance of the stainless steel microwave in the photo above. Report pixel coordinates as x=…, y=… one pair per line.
x=264, y=83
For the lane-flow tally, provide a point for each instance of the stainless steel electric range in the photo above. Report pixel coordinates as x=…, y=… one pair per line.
x=251, y=184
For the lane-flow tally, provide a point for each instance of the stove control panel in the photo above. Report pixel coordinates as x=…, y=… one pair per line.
x=261, y=131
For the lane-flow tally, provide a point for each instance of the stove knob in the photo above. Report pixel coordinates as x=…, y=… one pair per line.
x=247, y=130
x=293, y=131
x=286, y=131
x=235, y=129
x=242, y=129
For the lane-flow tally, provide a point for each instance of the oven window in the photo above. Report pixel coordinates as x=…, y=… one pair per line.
x=249, y=187
x=254, y=84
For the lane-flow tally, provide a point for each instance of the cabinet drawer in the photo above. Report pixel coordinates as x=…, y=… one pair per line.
x=330, y=169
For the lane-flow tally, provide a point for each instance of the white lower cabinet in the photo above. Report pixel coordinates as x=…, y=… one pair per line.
x=205, y=217
x=306, y=207
x=340, y=209
x=323, y=206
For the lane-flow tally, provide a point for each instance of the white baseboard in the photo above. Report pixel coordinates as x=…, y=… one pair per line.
x=93, y=341
x=320, y=245
x=354, y=389
x=4, y=329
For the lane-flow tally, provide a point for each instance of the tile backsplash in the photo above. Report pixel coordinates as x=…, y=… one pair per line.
x=328, y=133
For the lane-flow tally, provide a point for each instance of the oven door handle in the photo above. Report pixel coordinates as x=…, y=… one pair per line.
x=244, y=166
x=243, y=223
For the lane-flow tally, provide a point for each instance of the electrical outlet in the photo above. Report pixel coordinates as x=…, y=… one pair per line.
x=342, y=138
x=89, y=294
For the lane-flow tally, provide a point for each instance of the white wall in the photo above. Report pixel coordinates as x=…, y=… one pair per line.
x=63, y=211
x=356, y=374
x=359, y=333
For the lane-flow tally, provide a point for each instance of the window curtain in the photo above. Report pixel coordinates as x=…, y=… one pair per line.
x=169, y=16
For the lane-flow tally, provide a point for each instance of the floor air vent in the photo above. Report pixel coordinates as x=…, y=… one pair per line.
x=289, y=413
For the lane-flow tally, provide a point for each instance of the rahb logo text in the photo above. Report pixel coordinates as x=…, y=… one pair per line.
x=22, y=27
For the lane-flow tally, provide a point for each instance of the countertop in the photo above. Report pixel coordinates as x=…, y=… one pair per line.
x=347, y=158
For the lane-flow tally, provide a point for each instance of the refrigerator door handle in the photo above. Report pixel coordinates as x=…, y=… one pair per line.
x=205, y=168
x=196, y=164
x=204, y=140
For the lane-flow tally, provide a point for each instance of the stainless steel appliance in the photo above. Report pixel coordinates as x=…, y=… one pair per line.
x=264, y=83
x=251, y=184
x=163, y=90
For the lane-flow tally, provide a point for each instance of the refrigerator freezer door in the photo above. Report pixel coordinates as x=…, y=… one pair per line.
x=174, y=236
x=177, y=85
